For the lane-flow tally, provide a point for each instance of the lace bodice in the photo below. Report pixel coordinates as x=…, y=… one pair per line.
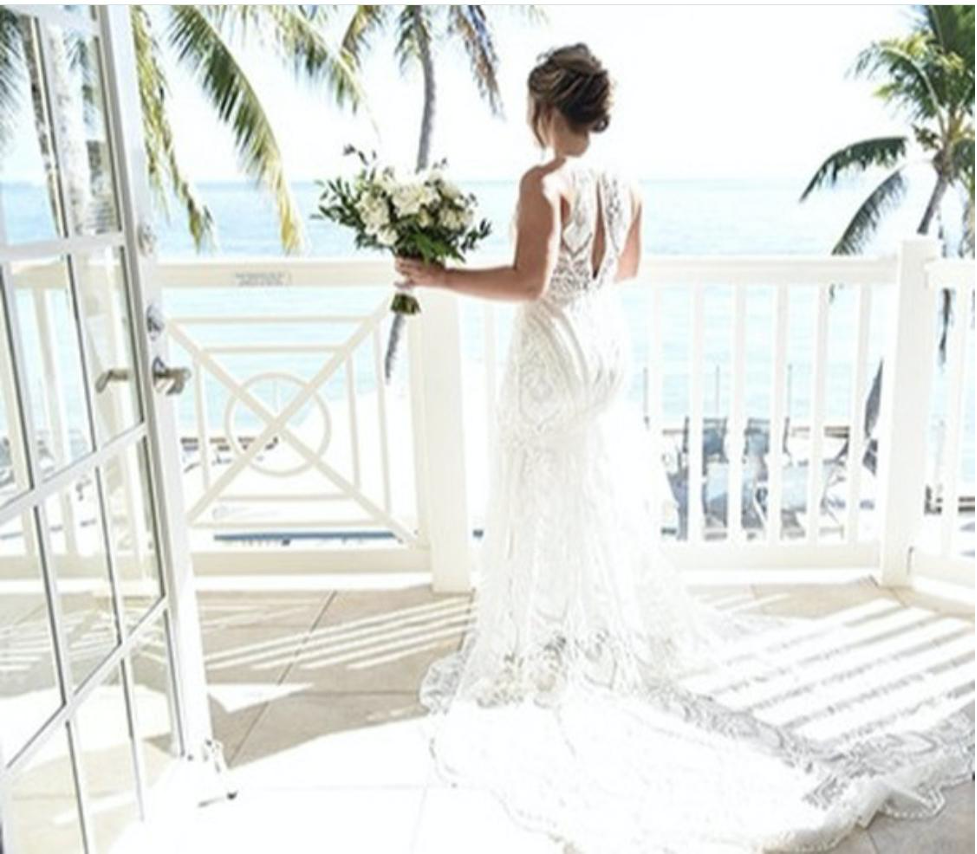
x=597, y=194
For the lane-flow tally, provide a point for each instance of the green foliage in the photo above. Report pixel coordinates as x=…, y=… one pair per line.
x=928, y=77
x=884, y=198
x=205, y=40
x=425, y=216
x=857, y=157
x=162, y=165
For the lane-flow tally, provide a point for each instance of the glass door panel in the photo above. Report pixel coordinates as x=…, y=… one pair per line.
x=13, y=466
x=101, y=288
x=89, y=719
x=125, y=484
x=74, y=68
x=154, y=704
x=28, y=677
x=42, y=807
x=52, y=362
x=107, y=762
x=77, y=555
x=28, y=179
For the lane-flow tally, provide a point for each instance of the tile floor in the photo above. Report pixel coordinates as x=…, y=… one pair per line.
x=313, y=695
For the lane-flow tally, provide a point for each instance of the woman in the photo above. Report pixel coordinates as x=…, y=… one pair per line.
x=594, y=694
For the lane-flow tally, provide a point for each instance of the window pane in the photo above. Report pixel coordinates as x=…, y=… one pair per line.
x=107, y=762
x=154, y=704
x=81, y=567
x=101, y=289
x=43, y=814
x=52, y=362
x=13, y=466
x=79, y=117
x=29, y=196
x=125, y=482
x=29, y=692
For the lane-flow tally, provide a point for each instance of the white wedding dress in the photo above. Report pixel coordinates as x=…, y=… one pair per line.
x=600, y=700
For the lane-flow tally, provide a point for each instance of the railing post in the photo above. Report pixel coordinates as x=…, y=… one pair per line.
x=439, y=443
x=903, y=418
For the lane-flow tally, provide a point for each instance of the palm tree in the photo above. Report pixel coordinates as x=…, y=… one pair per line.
x=203, y=39
x=417, y=29
x=927, y=75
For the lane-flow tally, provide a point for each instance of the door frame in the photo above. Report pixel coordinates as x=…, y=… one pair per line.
x=176, y=609
x=135, y=209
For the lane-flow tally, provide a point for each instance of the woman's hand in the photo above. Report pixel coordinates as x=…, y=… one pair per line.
x=418, y=272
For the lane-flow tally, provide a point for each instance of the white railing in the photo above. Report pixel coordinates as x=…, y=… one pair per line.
x=328, y=453
x=289, y=436
x=826, y=494
x=750, y=494
x=941, y=550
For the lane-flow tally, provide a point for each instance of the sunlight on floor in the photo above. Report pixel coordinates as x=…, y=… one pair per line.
x=314, y=696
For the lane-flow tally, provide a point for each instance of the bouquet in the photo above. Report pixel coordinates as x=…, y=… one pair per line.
x=423, y=216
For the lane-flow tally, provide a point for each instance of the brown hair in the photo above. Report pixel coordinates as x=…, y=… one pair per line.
x=572, y=80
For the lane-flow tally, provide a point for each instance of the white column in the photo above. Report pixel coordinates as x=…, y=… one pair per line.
x=907, y=377
x=439, y=439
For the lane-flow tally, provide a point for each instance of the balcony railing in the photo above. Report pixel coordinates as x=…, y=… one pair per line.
x=754, y=380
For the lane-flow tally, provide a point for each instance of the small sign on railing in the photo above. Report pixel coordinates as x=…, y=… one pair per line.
x=262, y=279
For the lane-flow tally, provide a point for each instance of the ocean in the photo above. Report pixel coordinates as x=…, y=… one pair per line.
x=741, y=216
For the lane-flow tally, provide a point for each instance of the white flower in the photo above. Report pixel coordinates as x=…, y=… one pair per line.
x=424, y=218
x=387, y=180
x=450, y=191
x=373, y=211
x=450, y=218
x=408, y=198
x=386, y=236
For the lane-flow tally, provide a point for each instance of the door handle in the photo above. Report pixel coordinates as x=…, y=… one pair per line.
x=117, y=375
x=169, y=380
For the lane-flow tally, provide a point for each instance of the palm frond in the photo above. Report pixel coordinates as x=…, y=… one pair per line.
x=471, y=27
x=962, y=155
x=299, y=34
x=413, y=24
x=864, y=223
x=363, y=25
x=904, y=62
x=11, y=73
x=162, y=164
x=534, y=14
x=883, y=151
x=199, y=44
x=952, y=28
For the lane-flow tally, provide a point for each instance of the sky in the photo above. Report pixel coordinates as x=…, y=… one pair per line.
x=701, y=92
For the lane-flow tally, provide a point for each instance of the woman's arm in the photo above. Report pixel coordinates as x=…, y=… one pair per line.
x=537, y=247
x=630, y=260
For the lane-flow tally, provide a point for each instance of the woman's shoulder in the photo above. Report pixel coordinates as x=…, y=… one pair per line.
x=544, y=178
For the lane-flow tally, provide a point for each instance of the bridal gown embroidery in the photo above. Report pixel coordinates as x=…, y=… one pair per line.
x=602, y=702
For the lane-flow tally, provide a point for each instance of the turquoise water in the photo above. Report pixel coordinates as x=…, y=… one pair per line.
x=683, y=217
x=742, y=217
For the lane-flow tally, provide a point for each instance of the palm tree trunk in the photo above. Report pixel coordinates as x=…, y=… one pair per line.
x=423, y=157
x=430, y=92
x=934, y=204
x=872, y=405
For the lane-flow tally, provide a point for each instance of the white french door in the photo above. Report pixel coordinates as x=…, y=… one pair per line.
x=101, y=676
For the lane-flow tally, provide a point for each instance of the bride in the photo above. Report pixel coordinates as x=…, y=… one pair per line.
x=594, y=694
